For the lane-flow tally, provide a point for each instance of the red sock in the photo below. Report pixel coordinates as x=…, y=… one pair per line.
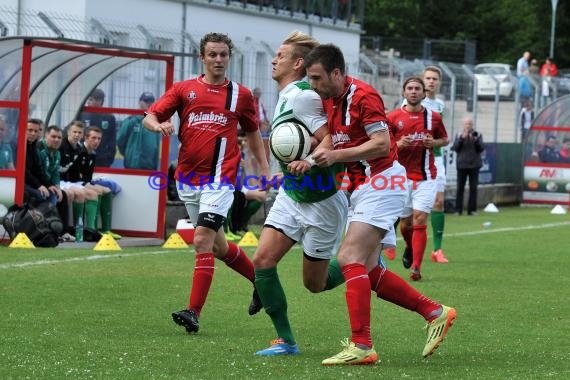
x=419, y=241
x=237, y=259
x=406, y=234
x=358, y=302
x=393, y=288
x=203, y=274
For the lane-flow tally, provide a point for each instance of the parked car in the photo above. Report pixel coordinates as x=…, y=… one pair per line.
x=486, y=86
x=563, y=83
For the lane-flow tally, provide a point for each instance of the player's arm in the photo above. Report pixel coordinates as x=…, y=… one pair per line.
x=377, y=146
x=151, y=123
x=324, y=142
x=439, y=138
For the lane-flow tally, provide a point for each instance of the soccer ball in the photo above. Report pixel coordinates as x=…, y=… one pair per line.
x=290, y=142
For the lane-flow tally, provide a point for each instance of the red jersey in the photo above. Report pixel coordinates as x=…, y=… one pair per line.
x=209, y=116
x=354, y=115
x=416, y=158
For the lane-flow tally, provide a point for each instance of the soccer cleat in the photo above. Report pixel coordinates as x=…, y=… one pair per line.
x=437, y=329
x=352, y=355
x=186, y=318
x=415, y=274
x=255, y=305
x=113, y=235
x=279, y=347
x=439, y=257
x=407, y=258
x=231, y=236
x=390, y=253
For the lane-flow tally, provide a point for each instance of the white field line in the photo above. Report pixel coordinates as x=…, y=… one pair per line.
x=83, y=258
x=144, y=253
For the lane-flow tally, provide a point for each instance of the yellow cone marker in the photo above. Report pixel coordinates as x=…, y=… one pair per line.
x=107, y=243
x=175, y=241
x=21, y=241
x=248, y=240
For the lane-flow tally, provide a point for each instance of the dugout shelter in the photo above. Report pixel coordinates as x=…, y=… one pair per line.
x=547, y=172
x=51, y=80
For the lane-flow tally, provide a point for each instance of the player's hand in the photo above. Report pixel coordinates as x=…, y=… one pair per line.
x=404, y=142
x=428, y=141
x=43, y=191
x=166, y=128
x=298, y=168
x=324, y=157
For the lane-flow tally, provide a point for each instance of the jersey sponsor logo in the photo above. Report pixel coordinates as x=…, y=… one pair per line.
x=418, y=136
x=340, y=137
x=207, y=118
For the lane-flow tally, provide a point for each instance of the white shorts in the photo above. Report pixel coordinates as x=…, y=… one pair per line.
x=380, y=207
x=216, y=200
x=389, y=240
x=421, y=195
x=64, y=185
x=440, y=178
x=317, y=226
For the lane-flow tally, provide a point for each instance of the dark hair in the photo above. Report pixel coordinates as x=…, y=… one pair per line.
x=414, y=79
x=215, y=37
x=53, y=128
x=92, y=129
x=329, y=56
x=98, y=94
x=35, y=121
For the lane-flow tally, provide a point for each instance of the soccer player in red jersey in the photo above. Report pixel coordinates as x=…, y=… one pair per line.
x=210, y=108
x=360, y=133
x=417, y=130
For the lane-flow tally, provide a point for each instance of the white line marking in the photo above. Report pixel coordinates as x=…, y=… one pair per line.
x=115, y=255
x=84, y=258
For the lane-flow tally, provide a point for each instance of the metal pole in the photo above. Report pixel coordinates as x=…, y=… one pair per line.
x=553, y=27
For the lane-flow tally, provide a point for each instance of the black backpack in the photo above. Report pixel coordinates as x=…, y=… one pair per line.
x=41, y=225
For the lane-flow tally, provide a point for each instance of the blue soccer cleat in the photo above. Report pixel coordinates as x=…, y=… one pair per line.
x=279, y=347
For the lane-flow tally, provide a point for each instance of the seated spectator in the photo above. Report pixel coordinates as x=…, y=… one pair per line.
x=48, y=149
x=107, y=124
x=137, y=144
x=85, y=202
x=88, y=159
x=549, y=153
x=38, y=187
x=565, y=151
x=6, y=153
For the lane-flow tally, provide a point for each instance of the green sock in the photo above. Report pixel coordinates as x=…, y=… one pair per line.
x=78, y=209
x=106, y=207
x=274, y=301
x=437, y=224
x=91, y=207
x=335, y=277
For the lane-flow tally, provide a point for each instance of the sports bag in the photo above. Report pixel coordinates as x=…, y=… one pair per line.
x=42, y=227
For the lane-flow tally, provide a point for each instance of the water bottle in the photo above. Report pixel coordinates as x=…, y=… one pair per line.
x=79, y=230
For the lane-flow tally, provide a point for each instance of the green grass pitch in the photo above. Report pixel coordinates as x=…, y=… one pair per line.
x=86, y=314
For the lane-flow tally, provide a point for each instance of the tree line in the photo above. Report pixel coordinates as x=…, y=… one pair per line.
x=502, y=29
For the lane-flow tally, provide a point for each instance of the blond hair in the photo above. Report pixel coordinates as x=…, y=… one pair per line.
x=302, y=43
x=434, y=69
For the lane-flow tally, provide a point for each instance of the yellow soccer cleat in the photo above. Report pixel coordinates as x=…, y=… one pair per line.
x=437, y=329
x=352, y=355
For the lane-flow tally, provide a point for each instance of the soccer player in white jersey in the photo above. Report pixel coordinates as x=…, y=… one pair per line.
x=432, y=79
x=308, y=209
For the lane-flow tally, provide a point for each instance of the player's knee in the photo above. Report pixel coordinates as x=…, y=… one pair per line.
x=262, y=260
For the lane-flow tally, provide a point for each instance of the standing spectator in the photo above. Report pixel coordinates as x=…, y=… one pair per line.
x=417, y=131
x=533, y=67
x=138, y=145
x=210, y=108
x=527, y=116
x=547, y=71
x=360, y=132
x=549, y=153
x=468, y=145
x=107, y=123
x=38, y=187
x=6, y=153
x=522, y=64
